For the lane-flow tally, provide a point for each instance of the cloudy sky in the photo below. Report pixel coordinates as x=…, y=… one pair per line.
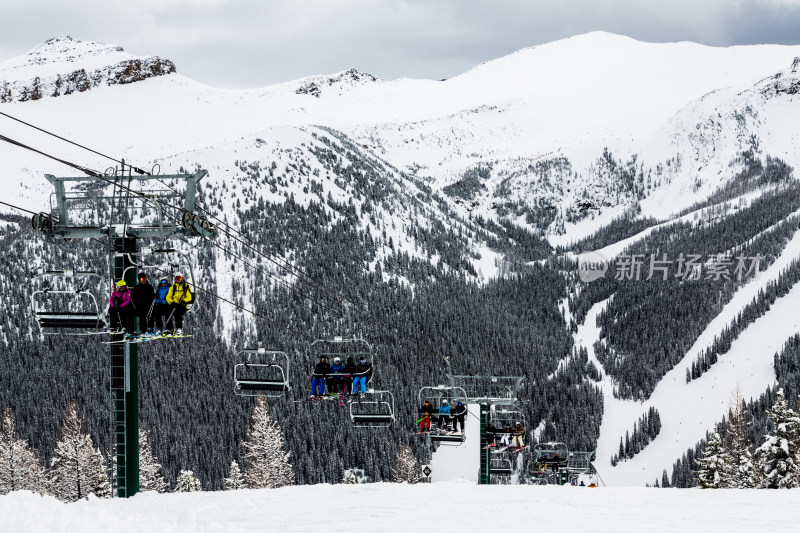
x=253, y=43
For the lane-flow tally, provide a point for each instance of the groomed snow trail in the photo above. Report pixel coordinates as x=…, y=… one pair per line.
x=689, y=410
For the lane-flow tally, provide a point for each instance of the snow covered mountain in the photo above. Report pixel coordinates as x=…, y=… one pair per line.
x=556, y=139
x=65, y=65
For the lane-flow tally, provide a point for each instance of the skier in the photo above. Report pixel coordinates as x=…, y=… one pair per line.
x=320, y=372
x=336, y=379
x=160, y=305
x=459, y=416
x=519, y=433
x=582, y=484
x=425, y=421
x=543, y=462
x=362, y=374
x=349, y=370
x=490, y=435
x=179, y=296
x=444, y=414
x=121, y=307
x=555, y=462
x=506, y=435
x=143, y=297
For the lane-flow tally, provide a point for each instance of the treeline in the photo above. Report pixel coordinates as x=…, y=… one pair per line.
x=787, y=279
x=644, y=430
x=649, y=325
x=754, y=412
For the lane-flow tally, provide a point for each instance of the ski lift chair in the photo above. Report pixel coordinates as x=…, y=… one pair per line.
x=343, y=347
x=435, y=395
x=162, y=262
x=501, y=466
x=90, y=316
x=375, y=409
x=580, y=462
x=261, y=372
x=550, y=450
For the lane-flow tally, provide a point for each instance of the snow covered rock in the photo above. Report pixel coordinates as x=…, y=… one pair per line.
x=64, y=65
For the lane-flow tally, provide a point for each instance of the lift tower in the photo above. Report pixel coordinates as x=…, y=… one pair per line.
x=123, y=209
x=487, y=391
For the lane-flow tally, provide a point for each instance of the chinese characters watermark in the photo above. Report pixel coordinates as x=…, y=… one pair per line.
x=688, y=267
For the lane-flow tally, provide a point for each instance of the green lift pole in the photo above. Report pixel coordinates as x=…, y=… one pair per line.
x=125, y=381
x=485, y=476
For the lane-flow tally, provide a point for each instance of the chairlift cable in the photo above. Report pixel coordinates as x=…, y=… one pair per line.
x=288, y=267
x=99, y=176
x=19, y=208
x=138, y=170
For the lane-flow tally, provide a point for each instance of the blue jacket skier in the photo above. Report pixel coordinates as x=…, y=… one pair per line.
x=363, y=372
x=160, y=305
x=336, y=380
x=444, y=414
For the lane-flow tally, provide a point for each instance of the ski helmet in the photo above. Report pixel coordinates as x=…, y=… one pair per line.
x=163, y=279
x=444, y=402
x=121, y=283
x=142, y=275
x=337, y=360
x=178, y=276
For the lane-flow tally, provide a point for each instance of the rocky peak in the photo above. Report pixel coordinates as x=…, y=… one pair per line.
x=64, y=65
x=315, y=85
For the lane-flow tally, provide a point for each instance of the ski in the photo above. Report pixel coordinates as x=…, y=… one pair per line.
x=136, y=340
x=520, y=449
x=489, y=446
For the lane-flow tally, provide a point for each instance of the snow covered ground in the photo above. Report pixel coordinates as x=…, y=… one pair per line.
x=453, y=506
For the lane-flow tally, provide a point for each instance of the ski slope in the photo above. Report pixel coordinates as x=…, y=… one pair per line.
x=689, y=410
x=382, y=507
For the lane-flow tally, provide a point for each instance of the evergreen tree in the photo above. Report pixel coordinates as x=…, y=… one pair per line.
x=235, y=481
x=19, y=464
x=741, y=466
x=187, y=482
x=664, y=479
x=406, y=469
x=714, y=470
x=349, y=477
x=77, y=468
x=150, y=476
x=266, y=463
x=777, y=458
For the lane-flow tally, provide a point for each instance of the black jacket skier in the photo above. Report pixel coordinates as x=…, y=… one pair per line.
x=322, y=369
x=349, y=371
x=364, y=369
x=142, y=296
x=459, y=414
